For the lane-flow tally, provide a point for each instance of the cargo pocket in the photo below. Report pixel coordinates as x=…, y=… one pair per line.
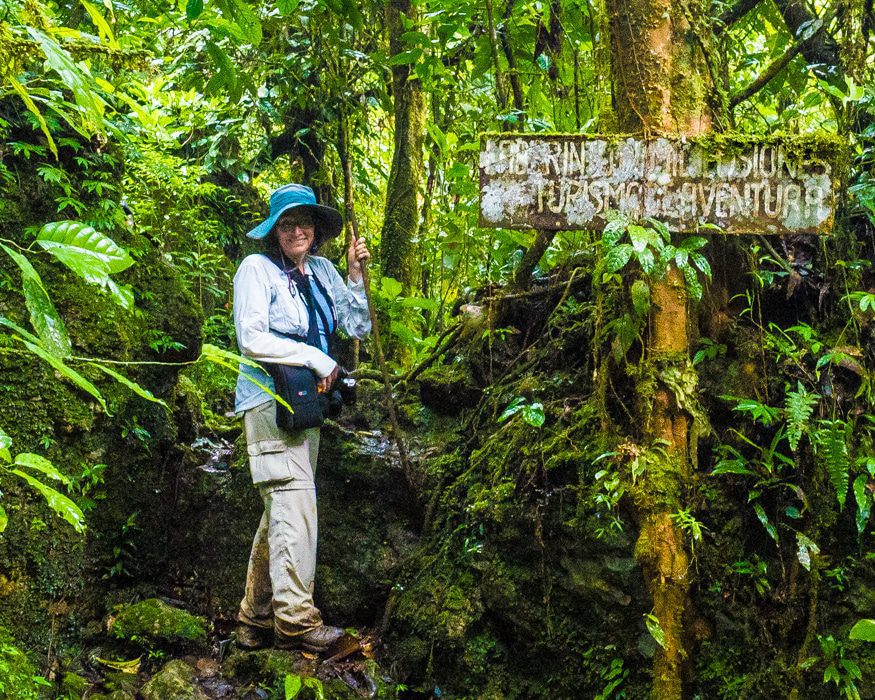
x=268, y=461
x=277, y=455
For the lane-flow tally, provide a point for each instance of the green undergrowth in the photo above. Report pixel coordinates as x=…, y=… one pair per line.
x=525, y=585
x=19, y=677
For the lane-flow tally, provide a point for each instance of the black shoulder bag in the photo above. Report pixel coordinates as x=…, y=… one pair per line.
x=297, y=386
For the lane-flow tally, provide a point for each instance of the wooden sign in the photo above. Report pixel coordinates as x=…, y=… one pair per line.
x=742, y=185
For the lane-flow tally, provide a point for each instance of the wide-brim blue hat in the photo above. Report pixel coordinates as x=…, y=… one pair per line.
x=328, y=221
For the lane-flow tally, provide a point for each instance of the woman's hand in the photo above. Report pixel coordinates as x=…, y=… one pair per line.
x=356, y=255
x=324, y=384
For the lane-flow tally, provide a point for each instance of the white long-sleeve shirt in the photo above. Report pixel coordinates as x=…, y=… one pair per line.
x=264, y=306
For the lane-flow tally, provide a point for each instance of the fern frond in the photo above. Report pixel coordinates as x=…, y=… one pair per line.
x=799, y=407
x=832, y=447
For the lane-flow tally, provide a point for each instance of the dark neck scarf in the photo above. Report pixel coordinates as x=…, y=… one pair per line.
x=320, y=310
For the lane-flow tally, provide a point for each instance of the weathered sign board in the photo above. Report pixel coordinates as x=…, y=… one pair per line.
x=774, y=186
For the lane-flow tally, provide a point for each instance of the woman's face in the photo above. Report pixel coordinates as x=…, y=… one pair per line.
x=295, y=231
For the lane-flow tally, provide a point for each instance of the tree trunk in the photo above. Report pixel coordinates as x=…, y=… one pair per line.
x=661, y=87
x=401, y=220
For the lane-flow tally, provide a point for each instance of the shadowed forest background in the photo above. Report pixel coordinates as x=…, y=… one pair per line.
x=514, y=556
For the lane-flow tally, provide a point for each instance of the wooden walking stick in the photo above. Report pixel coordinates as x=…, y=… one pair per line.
x=375, y=328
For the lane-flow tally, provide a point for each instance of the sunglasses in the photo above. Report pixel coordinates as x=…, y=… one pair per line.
x=291, y=224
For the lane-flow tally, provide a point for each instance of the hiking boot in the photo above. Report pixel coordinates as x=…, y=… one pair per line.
x=316, y=640
x=252, y=638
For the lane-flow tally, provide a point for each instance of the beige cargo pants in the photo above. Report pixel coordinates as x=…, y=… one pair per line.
x=282, y=564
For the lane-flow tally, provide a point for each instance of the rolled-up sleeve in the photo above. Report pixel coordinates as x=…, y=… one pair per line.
x=252, y=298
x=351, y=305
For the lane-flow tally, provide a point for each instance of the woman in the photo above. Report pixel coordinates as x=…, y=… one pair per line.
x=285, y=292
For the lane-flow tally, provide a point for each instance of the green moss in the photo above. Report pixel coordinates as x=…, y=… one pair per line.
x=175, y=681
x=74, y=686
x=153, y=621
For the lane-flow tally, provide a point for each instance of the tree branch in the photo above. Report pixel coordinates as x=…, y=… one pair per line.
x=512, y=72
x=532, y=256
x=766, y=76
x=821, y=50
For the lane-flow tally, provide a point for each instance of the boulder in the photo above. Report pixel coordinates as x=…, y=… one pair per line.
x=153, y=621
x=175, y=681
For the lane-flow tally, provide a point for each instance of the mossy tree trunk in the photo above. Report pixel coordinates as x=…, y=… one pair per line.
x=401, y=220
x=661, y=83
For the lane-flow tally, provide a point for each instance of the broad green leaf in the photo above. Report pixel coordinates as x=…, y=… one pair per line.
x=41, y=464
x=210, y=352
x=75, y=240
x=420, y=303
x=194, y=8
x=239, y=12
x=655, y=629
x=390, y=288
x=226, y=75
x=4, y=519
x=804, y=549
x=406, y=57
x=641, y=297
x=287, y=7
x=132, y=385
x=57, y=501
x=67, y=372
x=18, y=329
x=864, y=630
x=513, y=407
x=88, y=267
x=230, y=360
x=702, y=263
x=661, y=228
x=764, y=519
x=617, y=257
x=647, y=261
x=614, y=229
x=102, y=25
x=694, y=287
x=864, y=503
x=641, y=237
x=693, y=243
x=72, y=75
x=31, y=106
x=5, y=444
x=533, y=414
x=131, y=666
x=123, y=294
x=292, y=686
x=43, y=316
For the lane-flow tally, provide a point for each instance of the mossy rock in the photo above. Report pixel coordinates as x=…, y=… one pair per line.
x=175, y=681
x=267, y=666
x=449, y=388
x=153, y=620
